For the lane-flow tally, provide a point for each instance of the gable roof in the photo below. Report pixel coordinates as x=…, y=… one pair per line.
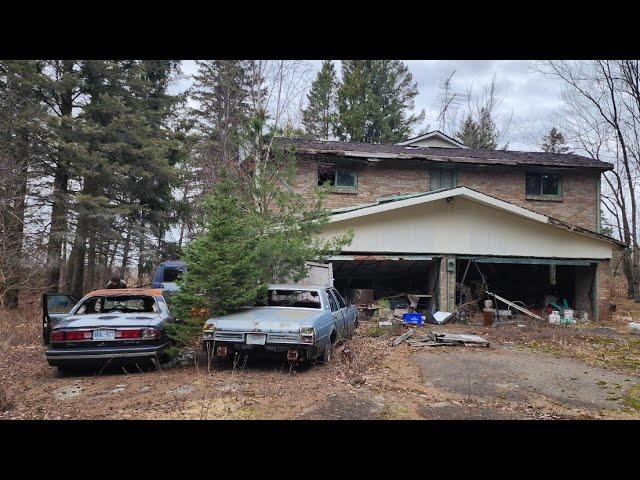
x=435, y=134
x=377, y=152
x=384, y=205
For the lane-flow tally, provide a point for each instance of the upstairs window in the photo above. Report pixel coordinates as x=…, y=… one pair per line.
x=334, y=176
x=443, y=178
x=543, y=184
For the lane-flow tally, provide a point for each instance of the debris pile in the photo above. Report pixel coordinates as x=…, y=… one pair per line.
x=436, y=339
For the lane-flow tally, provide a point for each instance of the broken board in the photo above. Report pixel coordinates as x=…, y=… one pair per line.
x=435, y=339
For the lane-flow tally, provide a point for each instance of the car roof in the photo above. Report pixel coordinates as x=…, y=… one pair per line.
x=296, y=286
x=112, y=292
x=173, y=263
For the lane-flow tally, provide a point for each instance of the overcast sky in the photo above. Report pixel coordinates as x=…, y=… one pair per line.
x=533, y=101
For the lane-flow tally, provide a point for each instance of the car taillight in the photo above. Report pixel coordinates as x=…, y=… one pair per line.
x=150, y=333
x=57, y=336
x=128, y=334
x=70, y=335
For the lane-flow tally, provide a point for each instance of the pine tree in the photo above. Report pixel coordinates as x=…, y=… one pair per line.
x=374, y=101
x=222, y=89
x=22, y=152
x=319, y=118
x=255, y=231
x=554, y=142
x=480, y=134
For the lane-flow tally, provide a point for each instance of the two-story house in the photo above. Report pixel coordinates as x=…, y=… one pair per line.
x=434, y=217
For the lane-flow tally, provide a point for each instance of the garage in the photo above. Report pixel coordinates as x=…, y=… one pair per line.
x=454, y=244
x=387, y=276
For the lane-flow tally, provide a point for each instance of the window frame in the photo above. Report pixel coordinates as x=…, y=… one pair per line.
x=439, y=169
x=543, y=196
x=335, y=185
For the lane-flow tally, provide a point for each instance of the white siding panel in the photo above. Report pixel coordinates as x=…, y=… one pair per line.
x=464, y=227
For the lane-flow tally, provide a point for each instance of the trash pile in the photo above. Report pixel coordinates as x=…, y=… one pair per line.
x=406, y=308
x=436, y=339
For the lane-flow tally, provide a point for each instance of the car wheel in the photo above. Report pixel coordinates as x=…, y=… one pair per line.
x=327, y=352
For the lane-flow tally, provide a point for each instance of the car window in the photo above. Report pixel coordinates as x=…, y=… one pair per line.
x=59, y=303
x=294, y=298
x=118, y=303
x=339, y=298
x=332, y=301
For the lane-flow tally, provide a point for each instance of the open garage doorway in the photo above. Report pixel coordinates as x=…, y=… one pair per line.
x=533, y=283
x=363, y=278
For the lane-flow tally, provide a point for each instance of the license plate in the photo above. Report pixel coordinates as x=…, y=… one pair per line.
x=256, y=339
x=104, y=334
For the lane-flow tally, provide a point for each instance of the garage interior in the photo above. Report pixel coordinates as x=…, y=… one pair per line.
x=531, y=281
x=387, y=276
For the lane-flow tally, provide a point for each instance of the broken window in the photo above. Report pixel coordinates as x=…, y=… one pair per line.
x=543, y=184
x=443, y=178
x=329, y=174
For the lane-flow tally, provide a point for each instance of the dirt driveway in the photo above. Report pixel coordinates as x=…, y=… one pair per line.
x=536, y=373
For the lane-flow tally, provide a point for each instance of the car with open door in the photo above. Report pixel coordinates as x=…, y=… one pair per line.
x=105, y=325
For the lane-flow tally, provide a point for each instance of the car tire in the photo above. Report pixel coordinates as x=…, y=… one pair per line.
x=327, y=352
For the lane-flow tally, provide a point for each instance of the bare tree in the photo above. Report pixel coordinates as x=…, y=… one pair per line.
x=603, y=97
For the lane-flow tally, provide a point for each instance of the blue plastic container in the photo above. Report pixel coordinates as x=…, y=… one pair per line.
x=414, y=318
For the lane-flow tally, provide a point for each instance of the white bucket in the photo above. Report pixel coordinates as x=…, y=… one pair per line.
x=567, y=314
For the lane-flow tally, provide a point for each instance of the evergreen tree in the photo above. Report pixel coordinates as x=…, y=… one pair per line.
x=23, y=138
x=319, y=118
x=222, y=89
x=480, y=134
x=554, y=142
x=374, y=101
x=255, y=231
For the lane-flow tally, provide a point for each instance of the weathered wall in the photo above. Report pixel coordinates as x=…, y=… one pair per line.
x=463, y=227
x=578, y=205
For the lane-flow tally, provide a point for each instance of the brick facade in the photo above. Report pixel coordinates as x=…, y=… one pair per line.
x=578, y=204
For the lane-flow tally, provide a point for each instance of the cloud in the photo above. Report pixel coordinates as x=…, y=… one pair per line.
x=532, y=100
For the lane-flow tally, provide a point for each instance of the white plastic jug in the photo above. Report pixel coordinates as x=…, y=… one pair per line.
x=554, y=318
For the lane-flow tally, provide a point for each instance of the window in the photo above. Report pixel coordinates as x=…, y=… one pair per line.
x=294, y=298
x=443, y=178
x=332, y=301
x=543, y=184
x=328, y=173
x=339, y=299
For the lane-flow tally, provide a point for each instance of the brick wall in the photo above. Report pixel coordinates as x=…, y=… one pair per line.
x=578, y=204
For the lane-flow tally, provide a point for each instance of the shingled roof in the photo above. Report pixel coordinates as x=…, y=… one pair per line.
x=454, y=155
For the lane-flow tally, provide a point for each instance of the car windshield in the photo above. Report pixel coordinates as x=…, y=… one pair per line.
x=118, y=303
x=294, y=298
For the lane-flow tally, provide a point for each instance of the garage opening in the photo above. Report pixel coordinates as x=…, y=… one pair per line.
x=368, y=280
x=536, y=284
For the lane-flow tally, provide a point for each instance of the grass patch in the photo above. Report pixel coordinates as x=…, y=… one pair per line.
x=632, y=398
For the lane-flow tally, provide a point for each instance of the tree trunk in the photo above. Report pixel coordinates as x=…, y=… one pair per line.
x=141, y=257
x=89, y=278
x=60, y=189
x=15, y=227
x=76, y=262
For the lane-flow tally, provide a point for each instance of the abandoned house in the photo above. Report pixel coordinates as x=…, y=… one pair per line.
x=433, y=217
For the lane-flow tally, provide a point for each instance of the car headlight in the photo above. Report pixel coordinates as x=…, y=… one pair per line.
x=307, y=335
x=208, y=330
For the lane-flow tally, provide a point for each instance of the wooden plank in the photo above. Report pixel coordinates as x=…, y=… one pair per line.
x=403, y=337
x=517, y=307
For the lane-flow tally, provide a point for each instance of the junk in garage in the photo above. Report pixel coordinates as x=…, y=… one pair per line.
x=495, y=291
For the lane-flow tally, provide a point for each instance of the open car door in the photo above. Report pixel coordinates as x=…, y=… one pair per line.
x=55, y=306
